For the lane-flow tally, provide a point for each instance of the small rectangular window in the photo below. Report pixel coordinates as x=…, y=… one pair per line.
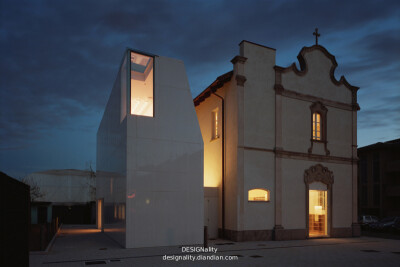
x=142, y=85
x=258, y=195
x=215, y=124
x=316, y=126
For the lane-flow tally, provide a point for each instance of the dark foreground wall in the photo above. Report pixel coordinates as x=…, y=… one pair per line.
x=14, y=222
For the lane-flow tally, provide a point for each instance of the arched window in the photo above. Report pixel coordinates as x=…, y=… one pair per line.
x=259, y=194
x=316, y=132
x=318, y=120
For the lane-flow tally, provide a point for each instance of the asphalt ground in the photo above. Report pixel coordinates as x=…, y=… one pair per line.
x=78, y=245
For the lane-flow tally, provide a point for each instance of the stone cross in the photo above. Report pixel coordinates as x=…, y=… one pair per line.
x=316, y=35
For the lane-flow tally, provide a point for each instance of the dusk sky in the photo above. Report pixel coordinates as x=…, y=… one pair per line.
x=59, y=60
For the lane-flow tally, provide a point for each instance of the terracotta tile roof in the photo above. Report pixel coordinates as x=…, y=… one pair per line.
x=218, y=83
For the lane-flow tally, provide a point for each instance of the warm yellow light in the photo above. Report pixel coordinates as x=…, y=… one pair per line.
x=142, y=85
x=215, y=124
x=258, y=195
x=316, y=125
x=318, y=216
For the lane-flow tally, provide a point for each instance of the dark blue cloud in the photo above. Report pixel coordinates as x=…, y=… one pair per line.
x=59, y=59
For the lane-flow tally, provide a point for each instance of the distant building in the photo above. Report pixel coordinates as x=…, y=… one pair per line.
x=379, y=179
x=67, y=194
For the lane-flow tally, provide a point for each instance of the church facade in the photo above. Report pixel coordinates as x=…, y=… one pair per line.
x=280, y=148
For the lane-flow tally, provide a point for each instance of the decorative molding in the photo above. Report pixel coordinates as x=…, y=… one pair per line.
x=239, y=59
x=240, y=79
x=280, y=153
x=318, y=173
x=257, y=148
x=304, y=69
x=310, y=98
x=319, y=108
x=279, y=89
x=314, y=157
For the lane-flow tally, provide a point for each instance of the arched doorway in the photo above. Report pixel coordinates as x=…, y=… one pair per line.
x=318, y=180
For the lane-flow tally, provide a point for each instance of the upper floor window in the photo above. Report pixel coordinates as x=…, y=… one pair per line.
x=319, y=122
x=214, y=124
x=142, y=84
x=316, y=126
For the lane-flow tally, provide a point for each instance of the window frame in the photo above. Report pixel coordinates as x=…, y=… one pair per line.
x=215, y=124
x=262, y=201
x=129, y=51
x=319, y=108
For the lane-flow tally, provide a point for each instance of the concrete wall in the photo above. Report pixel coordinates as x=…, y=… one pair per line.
x=111, y=157
x=165, y=166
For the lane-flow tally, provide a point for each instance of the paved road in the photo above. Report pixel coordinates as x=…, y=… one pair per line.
x=86, y=246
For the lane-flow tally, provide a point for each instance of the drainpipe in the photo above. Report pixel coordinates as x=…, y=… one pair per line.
x=223, y=162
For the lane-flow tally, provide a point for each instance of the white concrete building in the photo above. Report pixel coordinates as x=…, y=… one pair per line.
x=280, y=148
x=150, y=156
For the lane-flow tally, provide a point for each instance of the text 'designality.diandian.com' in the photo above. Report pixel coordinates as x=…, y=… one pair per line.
x=199, y=257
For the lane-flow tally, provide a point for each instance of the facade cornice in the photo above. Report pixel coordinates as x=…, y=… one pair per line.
x=239, y=59
x=281, y=153
x=304, y=69
x=310, y=98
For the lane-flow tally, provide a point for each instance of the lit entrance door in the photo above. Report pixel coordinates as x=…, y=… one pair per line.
x=317, y=212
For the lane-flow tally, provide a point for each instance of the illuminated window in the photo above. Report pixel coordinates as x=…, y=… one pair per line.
x=142, y=85
x=215, y=124
x=259, y=195
x=319, y=122
x=316, y=126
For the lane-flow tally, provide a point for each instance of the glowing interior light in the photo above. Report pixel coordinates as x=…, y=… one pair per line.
x=142, y=85
x=258, y=195
x=215, y=124
x=318, y=222
x=316, y=126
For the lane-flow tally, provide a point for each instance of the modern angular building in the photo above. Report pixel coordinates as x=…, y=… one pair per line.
x=150, y=156
x=280, y=148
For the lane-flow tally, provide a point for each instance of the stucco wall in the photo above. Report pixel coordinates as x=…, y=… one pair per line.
x=317, y=80
x=259, y=96
x=294, y=193
x=296, y=128
x=258, y=173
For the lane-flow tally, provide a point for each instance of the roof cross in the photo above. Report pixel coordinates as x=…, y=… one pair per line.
x=316, y=35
